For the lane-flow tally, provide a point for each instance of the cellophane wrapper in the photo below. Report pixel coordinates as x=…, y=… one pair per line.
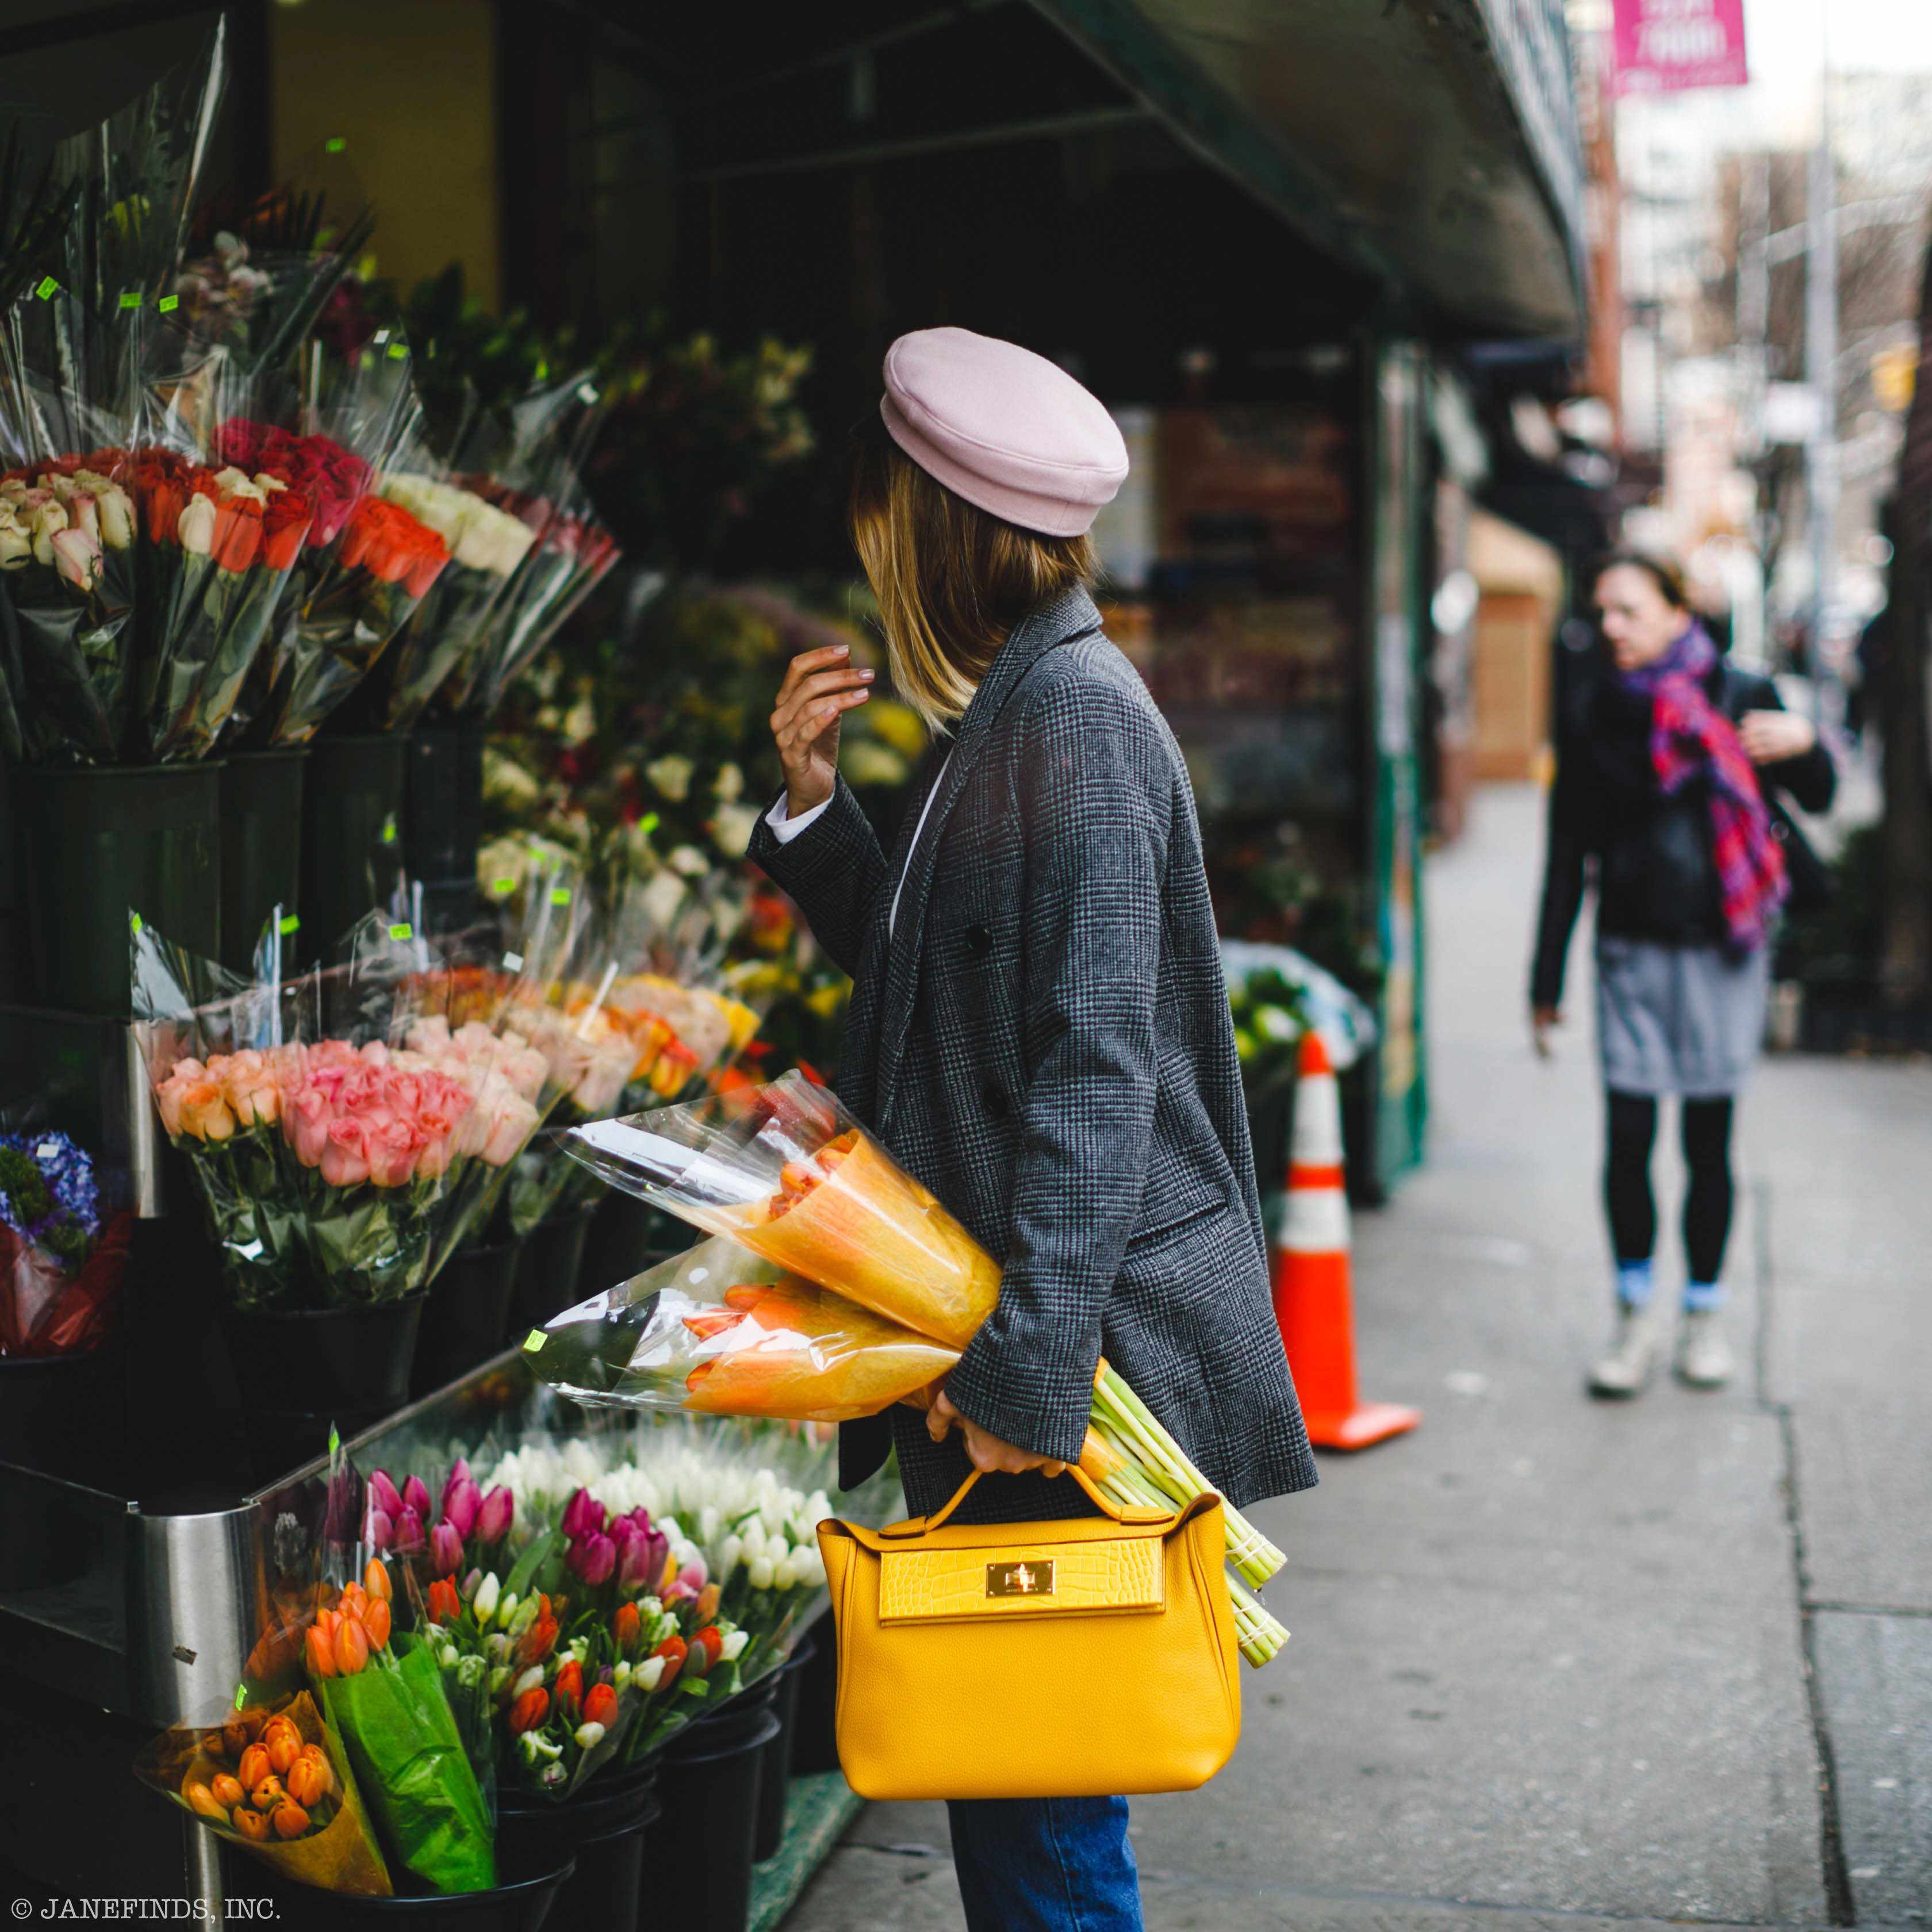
x=719, y=1330
x=63, y=1252
x=343, y=1856
x=368, y=562
x=331, y=1121
x=786, y=1170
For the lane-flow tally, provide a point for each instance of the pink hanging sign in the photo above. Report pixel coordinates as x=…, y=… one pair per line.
x=1664, y=45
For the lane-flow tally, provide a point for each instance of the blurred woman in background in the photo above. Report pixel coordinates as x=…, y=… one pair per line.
x=1668, y=761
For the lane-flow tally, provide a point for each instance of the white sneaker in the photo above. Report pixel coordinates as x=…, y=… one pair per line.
x=1624, y=1369
x=1703, y=1356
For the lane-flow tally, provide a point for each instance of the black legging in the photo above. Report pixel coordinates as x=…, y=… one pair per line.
x=1707, y=1205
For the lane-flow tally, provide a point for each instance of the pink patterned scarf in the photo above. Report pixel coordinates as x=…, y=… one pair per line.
x=1691, y=737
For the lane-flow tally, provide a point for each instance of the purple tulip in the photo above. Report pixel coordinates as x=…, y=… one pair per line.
x=583, y=1515
x=472, y=1584
x=409, y=1532
x=592, y=1558
x=446, y=1551
x=459, y=1473
x=416, y=1496
x=460, y=1503
x=378, y=1530
x=382, y=1496
x=498, y=1513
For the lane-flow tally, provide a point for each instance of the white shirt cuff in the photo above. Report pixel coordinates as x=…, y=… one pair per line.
x=784, y=829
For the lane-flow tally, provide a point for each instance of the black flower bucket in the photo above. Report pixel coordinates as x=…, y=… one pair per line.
x=261, y=846
x=464, y=1317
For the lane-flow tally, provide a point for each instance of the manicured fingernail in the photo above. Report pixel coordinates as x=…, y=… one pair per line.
x=868, y=675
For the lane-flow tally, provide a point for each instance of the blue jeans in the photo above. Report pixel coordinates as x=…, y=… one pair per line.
x=1045, y=1864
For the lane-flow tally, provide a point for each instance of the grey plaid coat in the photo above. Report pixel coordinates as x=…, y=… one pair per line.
x=1043, y=1039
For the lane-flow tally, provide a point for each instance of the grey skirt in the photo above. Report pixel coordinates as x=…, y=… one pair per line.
x=1678, y=1019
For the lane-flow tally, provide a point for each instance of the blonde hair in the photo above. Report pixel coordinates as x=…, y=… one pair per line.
x=952, y=580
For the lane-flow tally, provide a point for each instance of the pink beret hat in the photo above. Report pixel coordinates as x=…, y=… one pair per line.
x=1004, y=428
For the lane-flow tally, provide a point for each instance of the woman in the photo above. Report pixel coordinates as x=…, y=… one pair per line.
x=1039, y=1027
x=1668, y=761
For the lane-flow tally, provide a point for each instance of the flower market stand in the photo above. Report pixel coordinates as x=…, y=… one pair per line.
x=120, y=1615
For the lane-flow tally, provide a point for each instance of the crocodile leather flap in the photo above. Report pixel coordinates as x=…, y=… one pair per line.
x=1017, y=1579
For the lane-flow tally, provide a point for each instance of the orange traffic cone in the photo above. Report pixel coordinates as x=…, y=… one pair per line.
x=1311, y=1272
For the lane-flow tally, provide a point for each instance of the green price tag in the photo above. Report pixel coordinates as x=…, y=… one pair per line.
x=130, y=299
x=400, y=931
x=503, y=888
x=397, y=350
x=649, y=823
x=334, y=145
x=48, y=287
x=389, y=830
x=134, y=924
x=533, y=1342
x=560, y=895
x=289, y=923
x=168, y=305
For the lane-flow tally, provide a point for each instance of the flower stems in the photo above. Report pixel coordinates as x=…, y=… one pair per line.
x=1136, y=1434
x=1257, y=1631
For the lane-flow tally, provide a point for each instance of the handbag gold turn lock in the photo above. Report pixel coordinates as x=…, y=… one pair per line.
x=1020, y=1579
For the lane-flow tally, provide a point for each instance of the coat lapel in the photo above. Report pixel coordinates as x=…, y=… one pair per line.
x=1070, y=615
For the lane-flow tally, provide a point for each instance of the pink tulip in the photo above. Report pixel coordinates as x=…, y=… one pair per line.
x=499, y=1511
x=379, y=1529
x=583, y=1515
x=409, y=1531
x=416, y=1496
x=382, y=1494
x=461, y=1503
x=446, y=1551
x=694, y=1575
x=460, y=1471
x=592, y=1558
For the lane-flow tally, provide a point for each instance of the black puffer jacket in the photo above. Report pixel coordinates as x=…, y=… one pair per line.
x=1655, y=875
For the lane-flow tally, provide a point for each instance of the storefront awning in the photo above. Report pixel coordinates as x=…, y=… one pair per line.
x=1431, y=142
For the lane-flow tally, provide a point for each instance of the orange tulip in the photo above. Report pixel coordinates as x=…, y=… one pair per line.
x=204, y=1801
x=252, y=1825
x=600, y=1706
x=321, y=1654
x=376, y=1623
x=266, y=1796
x=314, y=1755
x=283, y=1747
x=569, y=1689
x=375, y=1580
x=626, y=1627
x=444, y=1606
x=291, y=1820
x=354, y=1601
x=254, y=1767
x=528, y=1711
x=228, y=1791
x=306, y=1783
x=351, y=1648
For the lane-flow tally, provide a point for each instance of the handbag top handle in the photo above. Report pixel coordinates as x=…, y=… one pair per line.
x=1121, y=1512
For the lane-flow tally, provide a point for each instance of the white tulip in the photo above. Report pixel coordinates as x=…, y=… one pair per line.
x=649, y=1673
x=735, y=1641
x=531, y=1680
x=589, y=1735
x=762, y=1572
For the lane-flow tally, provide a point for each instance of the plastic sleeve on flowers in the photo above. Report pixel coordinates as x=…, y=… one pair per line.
x=835, y=874
x=718, y=1331
x=1094, y=804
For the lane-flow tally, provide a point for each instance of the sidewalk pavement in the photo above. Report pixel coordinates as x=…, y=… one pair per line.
x=1557, y=1661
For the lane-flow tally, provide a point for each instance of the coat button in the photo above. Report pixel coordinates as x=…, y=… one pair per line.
x=979, y=940
x=997, y=1104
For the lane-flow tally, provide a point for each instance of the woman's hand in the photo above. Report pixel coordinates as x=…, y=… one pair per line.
x=1543, y=1021
x=819, y=686
x=1769, y=737
x=989, y=1455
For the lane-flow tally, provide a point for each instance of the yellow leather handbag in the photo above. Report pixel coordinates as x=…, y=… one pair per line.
x=1071, y=1659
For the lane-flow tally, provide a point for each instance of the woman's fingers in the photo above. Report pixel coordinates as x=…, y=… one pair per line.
x=802, y=666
